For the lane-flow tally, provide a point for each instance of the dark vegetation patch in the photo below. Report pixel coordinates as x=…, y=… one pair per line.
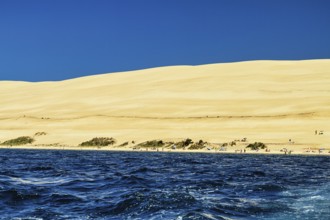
x=99, y=142
x=232, y=143
x=256, y=146
x=123, y=144
x=40, y=133
x=198, y=145
x=153, y=143
x=184, y=143
x=19, y=141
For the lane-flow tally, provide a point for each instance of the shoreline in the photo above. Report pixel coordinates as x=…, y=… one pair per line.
x=117, y=149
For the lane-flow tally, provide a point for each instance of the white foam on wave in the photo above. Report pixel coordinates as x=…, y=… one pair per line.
x=38, y=181
x=208, y=215
x=307, y=209
x=27, y=218
x=317, y=198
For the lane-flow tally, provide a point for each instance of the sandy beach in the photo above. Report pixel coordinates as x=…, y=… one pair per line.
x=236, y=150
x=284, y=104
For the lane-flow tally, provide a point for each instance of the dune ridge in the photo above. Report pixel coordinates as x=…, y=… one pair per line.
x=269, y=101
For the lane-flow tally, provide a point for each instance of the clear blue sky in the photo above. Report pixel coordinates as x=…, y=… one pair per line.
x=60, y=39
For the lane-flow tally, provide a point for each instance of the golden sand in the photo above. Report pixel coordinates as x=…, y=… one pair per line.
x=285, y=104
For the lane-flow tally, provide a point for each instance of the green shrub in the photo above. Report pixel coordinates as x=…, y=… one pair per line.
x=123, y=144
x=19, y=141
x=99, y=142
x=198, y=145
x=184, y=143
x=256, y=146
x=153, y=143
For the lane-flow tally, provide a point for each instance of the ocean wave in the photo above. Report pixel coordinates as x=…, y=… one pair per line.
x=110, y=185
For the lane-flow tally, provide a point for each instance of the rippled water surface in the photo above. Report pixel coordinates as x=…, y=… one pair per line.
x=41, y=184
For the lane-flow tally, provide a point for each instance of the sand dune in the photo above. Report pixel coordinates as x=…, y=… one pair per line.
x=270, y=101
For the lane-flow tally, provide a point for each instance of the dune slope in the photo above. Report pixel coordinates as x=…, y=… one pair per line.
x=270, y=101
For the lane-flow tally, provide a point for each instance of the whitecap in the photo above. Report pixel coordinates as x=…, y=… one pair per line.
x=317, y=197
x=27, y=218
x=38, y=181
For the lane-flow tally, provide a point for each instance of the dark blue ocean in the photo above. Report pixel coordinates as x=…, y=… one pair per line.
x=44, y=184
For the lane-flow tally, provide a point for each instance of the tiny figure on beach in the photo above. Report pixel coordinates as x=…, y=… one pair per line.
x=315, y=132
x=284, y=150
